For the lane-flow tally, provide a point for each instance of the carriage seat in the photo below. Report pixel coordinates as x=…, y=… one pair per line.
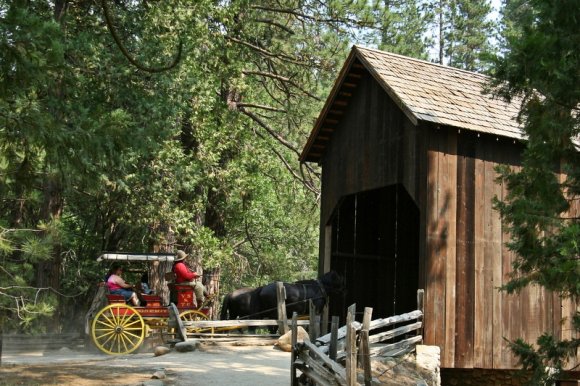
x=114, y=299
x=152, y=300
x=182, y=295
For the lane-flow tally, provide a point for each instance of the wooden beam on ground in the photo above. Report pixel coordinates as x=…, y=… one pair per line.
x=402, y=344
x=338, y=370
x=316, y=377
x=379, y=323
x=381, y=337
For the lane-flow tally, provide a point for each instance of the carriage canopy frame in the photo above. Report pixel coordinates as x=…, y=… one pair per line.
x=146, y=257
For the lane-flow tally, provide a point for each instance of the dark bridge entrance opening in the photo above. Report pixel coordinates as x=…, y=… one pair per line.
x=375, y=246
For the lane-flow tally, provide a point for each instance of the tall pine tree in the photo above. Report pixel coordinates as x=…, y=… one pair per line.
x=464, y=31
x=404, y=26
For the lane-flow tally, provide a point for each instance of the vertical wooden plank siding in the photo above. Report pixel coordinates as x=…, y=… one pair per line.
x=510, y=308
x=422, y=191
x=441, y=241
x=486, y=250
x=435, y=296
x=465, y=255
x=493, y=254
x=483, y=327
x=518, y=316
x=448, y=178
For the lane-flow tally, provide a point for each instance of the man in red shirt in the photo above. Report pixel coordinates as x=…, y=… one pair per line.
x=184, y=276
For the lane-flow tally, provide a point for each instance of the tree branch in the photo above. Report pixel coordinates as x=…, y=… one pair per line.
x=305, y=183
x=300, y=15
x=126, y=53
x=263, y=107
x=282, y=79
x=283, y=57
x=275, y=24
x=270, y=131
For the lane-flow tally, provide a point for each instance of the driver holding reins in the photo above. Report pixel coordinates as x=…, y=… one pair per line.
x=184, y=276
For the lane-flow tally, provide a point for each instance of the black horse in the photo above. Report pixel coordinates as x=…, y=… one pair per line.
x=237, y=304
x=261, y=303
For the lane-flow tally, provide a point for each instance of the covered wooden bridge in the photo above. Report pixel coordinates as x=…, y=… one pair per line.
x=408, y=150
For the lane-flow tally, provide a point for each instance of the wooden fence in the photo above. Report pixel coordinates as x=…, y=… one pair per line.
x=225, y=329
x=333, y=358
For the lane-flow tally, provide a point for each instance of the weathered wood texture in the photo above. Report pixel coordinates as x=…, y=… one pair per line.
x=373, y=146
x=435, y=185
x=467, y=260
x=319, y=362
x=370, y=203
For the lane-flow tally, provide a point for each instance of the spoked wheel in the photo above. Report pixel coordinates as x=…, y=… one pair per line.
x=118, y=329
x=192, y=316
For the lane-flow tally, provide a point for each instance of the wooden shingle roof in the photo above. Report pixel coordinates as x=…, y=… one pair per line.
x=424, y=91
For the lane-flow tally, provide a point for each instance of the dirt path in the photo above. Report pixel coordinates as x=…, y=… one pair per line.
x=210, y=365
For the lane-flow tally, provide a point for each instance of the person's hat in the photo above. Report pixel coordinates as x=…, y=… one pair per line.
x=180, y=255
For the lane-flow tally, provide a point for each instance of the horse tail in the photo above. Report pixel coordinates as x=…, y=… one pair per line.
x=225, y=306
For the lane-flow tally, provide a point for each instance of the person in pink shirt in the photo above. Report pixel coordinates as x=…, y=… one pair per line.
x=117, y=285
x=184, y=276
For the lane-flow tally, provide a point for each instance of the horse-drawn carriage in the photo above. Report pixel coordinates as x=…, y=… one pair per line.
x=118, y=328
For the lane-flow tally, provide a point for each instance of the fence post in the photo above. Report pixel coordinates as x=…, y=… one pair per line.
x=324, y=328
x=365, y=326
x=332, y=349
x=311, y=314
x=365, y=356
x=314, y=324
x=350, y=313
x=364, y=359
x=350, y=346
x=293, y=380
x=350, y=355
x=421, y=307
x=282, y=320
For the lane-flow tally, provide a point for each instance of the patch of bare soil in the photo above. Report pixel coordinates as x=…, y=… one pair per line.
x=81, y=374
x=209, y=365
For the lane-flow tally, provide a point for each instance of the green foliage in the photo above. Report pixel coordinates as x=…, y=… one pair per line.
x=404, y=28
x=97, y=154
x=465, y=33
x=539, y=68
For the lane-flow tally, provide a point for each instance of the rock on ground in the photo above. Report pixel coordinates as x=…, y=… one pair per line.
x=161, y=350
x=189, y=345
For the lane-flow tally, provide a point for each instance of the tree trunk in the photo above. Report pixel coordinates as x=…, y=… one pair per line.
x=157, y=270
x=211, y=280
x=48, y=272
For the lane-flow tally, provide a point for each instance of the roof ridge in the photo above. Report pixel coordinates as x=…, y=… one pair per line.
x=443, y=66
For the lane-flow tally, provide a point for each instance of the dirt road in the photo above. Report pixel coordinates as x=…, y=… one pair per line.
x=210, y=365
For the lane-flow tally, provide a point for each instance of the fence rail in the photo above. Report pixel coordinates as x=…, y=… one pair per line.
x=322, y=360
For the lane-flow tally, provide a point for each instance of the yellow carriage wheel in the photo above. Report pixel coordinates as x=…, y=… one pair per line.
x=118, y=329
x=193, y=316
